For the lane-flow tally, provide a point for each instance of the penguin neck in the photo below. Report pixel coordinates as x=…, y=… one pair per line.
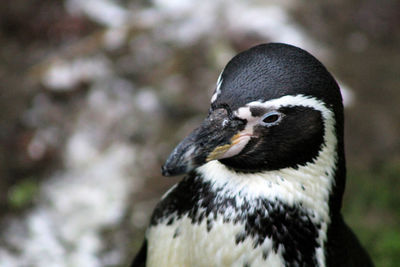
x=308, y=188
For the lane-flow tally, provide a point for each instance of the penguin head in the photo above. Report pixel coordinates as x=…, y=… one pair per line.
x=275, y=106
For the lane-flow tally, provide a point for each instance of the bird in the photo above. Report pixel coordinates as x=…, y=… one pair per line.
x=264, y=172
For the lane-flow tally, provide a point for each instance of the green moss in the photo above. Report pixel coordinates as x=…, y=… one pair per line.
x=22, y=194
x=371, y=208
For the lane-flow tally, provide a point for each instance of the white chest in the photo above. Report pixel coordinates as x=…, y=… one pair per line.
x=186, y=244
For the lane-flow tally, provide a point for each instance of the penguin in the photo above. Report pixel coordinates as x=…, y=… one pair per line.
x=265, y=172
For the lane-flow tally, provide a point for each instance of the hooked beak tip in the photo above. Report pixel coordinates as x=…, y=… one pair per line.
x=165, y=171
x=173, y=170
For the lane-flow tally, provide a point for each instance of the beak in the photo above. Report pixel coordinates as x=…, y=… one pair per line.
x=217, y=137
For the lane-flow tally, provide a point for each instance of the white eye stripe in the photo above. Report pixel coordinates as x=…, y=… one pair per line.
x=274, y=104
x=297, y=100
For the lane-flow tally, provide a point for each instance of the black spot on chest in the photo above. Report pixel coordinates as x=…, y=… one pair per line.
x=288, y=226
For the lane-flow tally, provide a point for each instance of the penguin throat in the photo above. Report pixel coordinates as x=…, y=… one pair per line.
x=308, y=187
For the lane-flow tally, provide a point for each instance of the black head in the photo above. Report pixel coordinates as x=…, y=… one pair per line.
x=272, y=108
x=270, y=71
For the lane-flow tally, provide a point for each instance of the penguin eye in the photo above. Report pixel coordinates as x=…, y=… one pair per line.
x=271, y=118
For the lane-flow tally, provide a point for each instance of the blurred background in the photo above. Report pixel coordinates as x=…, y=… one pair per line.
x=96, y=93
